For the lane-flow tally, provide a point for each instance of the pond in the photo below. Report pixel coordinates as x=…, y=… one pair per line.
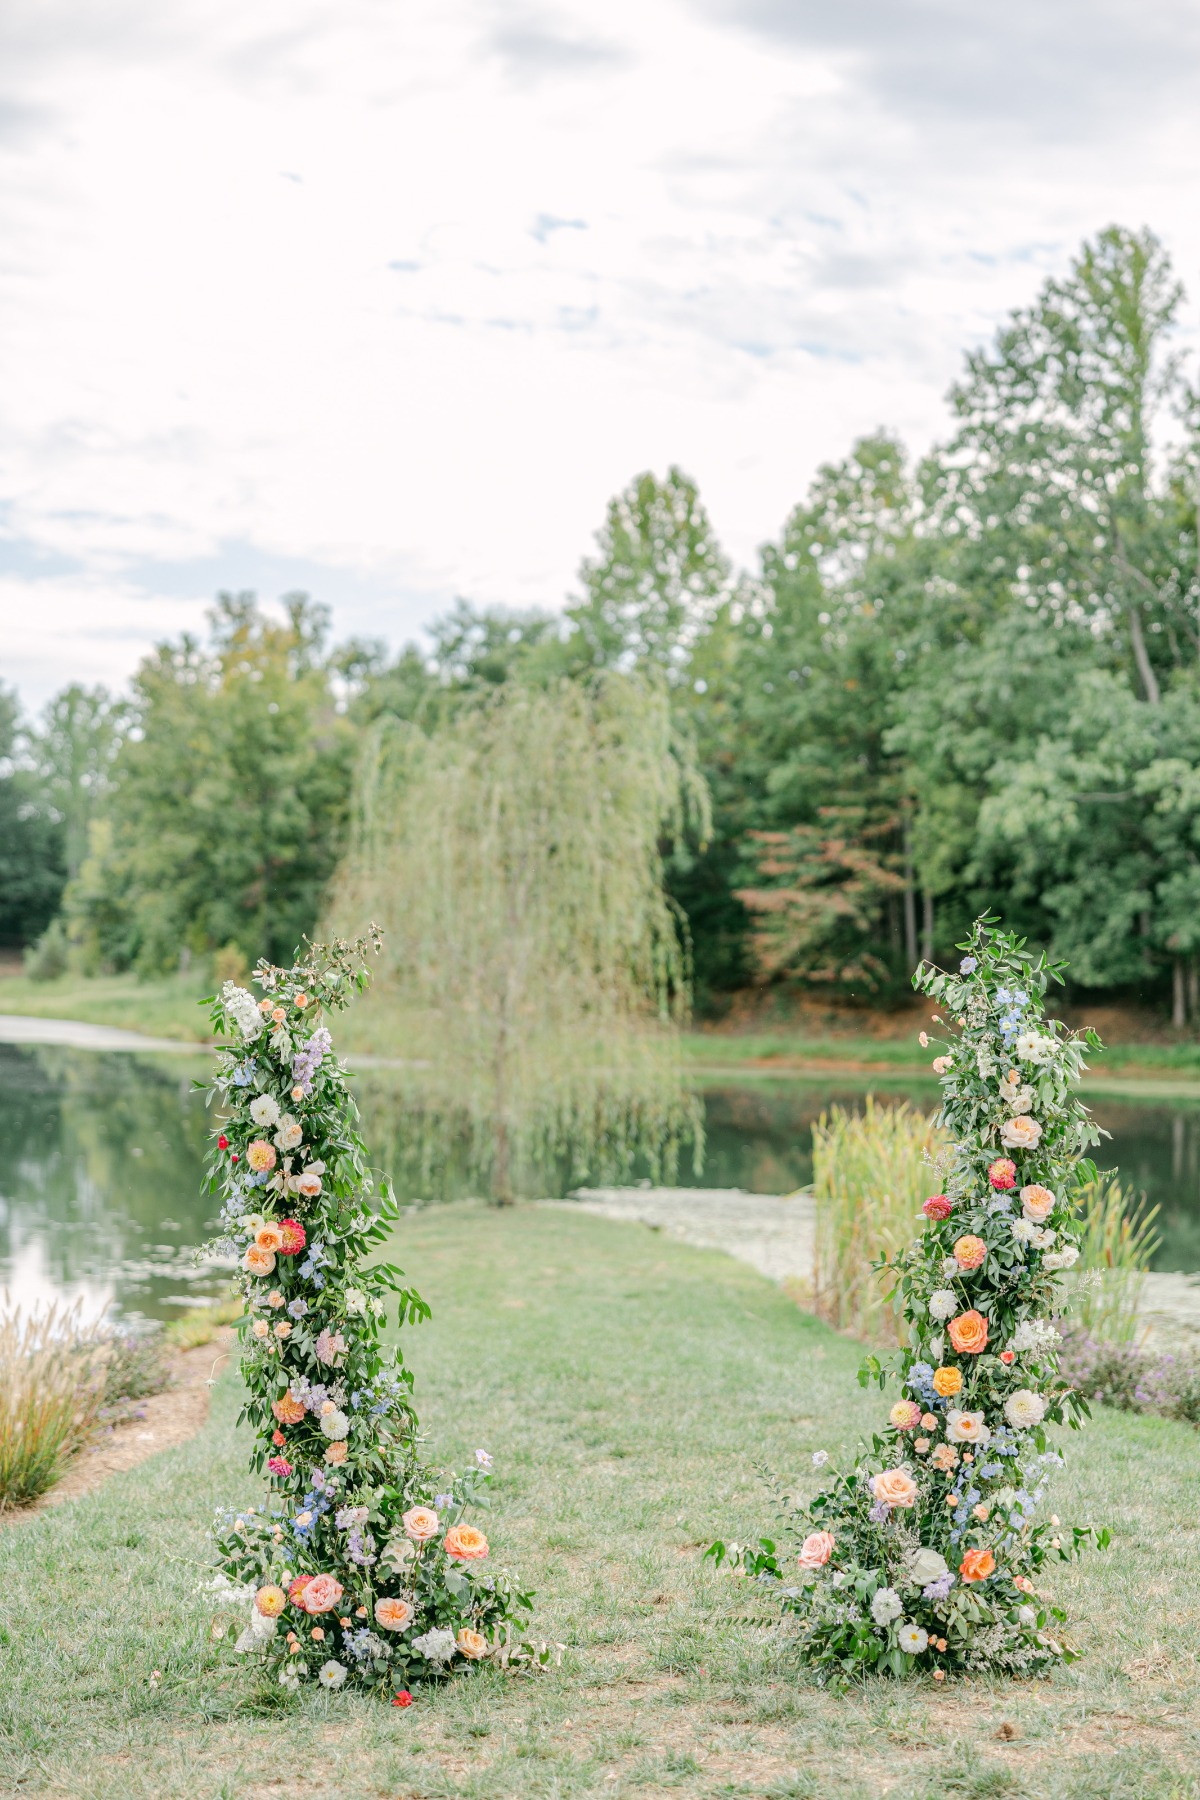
x=101, y=1158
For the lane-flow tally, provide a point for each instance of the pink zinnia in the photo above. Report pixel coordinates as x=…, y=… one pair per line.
x=279, y=1465
x=293, y=1237
x=938, y=1206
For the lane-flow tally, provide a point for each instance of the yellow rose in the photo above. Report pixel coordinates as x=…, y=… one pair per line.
x=947, y=1382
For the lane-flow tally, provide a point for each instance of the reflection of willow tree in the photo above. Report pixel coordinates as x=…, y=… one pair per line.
x=534, y=977
x=97, y=1151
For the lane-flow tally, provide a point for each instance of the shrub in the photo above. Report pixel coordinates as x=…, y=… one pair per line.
x=201, y=1324
x=52, y=1383
x=48, y=958
x=135, y=1366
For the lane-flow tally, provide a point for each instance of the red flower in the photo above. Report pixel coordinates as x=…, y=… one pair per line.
x=1007, y=1356
x=234, y=1157
x=293, y=1237
x=279, y=1465
x=222, y=1142
x=937, y=1207
x=403, y=1698
x=296, y=1587
x=278, y=1439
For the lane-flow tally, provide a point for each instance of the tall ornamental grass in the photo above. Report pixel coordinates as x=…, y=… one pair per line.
x=871, y=1172
x=52, y=1387
x=1117, y=1243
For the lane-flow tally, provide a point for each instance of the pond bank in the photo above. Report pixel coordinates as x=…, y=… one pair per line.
x=774, y=1234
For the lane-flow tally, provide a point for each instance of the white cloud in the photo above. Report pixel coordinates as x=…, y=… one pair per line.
x=399, y=295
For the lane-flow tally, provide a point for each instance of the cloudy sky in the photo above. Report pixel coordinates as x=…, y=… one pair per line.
x=384, y=300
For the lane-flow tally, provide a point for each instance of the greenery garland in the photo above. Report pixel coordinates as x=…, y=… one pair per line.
x=924, y=1553
x=360, y=1567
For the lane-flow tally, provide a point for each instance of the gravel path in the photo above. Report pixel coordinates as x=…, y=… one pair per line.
x=774, y=1234
x=76, y=1035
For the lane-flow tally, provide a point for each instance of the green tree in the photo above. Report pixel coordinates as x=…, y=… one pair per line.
x=32, y=863
x=73, y=751
x=657, y=582
x=229, y=798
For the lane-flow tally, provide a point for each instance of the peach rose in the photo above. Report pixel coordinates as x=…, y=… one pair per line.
x=260, y=1155
x=905, y=1415
x=288, y=1410
x=337, y=1453
x=465, y=1543
x=895, y=1487
x=977, y=1565
x=321, y=1594
x=257, y=1261
x=420, y=1524
x=393, y=1615
x=947, y=1382
x=270, y=1600
x=1037, y=1203
x=816, y=1550
x=969, y=1333
x=969, y=1252
x=1021, y=1133
x=471, y=1644
x=1003, y=1173
x=269, y=1236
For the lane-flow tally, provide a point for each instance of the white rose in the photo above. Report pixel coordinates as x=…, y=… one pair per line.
x=335, y=1425
x=307, y=1184
x=966, y=1428
x=924, y=1565
x=1021, y=1133
x=1015, y=1094
x=356, y=1301
x=1024, y=1409
x=1042, y=1237
x=1062, y=1259
x=290, y=1133
x=943, y=1304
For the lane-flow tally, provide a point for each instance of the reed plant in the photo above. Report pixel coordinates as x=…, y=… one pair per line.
x=52, y=1387
x=1117, y=1242
x=871, y=1172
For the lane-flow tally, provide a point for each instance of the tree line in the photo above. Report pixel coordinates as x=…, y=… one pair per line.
x=965, y=682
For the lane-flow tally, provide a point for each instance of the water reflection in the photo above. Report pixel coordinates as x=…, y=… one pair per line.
x=101, y=1162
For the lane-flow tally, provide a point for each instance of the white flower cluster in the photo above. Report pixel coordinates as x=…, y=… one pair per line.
x=242, y=1009
x=1035, y=1335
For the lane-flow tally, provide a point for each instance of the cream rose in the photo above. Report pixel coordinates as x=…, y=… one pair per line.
x=1021, y=1133
x=1037, y=1203
x=895, y=1487
x=966, y=1427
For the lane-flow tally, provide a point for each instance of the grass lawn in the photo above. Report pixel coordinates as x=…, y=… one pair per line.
x=165, y=1008
x=627, y=1386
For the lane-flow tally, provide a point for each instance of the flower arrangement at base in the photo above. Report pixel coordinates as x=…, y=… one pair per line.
x=359, y=1566
x=926, y=1552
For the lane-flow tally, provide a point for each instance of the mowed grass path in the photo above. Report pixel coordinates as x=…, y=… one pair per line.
x=627, y=1387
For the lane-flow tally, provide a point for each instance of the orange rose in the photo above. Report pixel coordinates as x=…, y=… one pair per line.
x=947, y=1382
x=288, y=1410
x=895, y=1487
x=269, y=1236
x=816, y=1550
x=977, y=1565
x=471, y=1644
x=257, y=1261
x=465, y=1543
x=969, y=1252
x=969, y=1333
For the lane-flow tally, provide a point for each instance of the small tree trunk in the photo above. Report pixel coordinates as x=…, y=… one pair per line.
x=1179, y=995
x=1141, y=655
x=910, y=902
x=927, y=928
x=1193, y=988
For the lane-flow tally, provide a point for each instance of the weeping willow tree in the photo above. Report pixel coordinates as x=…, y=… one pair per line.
x=536, y=974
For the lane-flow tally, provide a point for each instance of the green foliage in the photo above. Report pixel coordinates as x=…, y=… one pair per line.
x=1117, y=1241
x=32, y=864
x=534, y=973
x=225, y=820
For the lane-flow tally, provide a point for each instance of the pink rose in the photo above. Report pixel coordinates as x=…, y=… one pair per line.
x=816, y=1550
x=321, y=1594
